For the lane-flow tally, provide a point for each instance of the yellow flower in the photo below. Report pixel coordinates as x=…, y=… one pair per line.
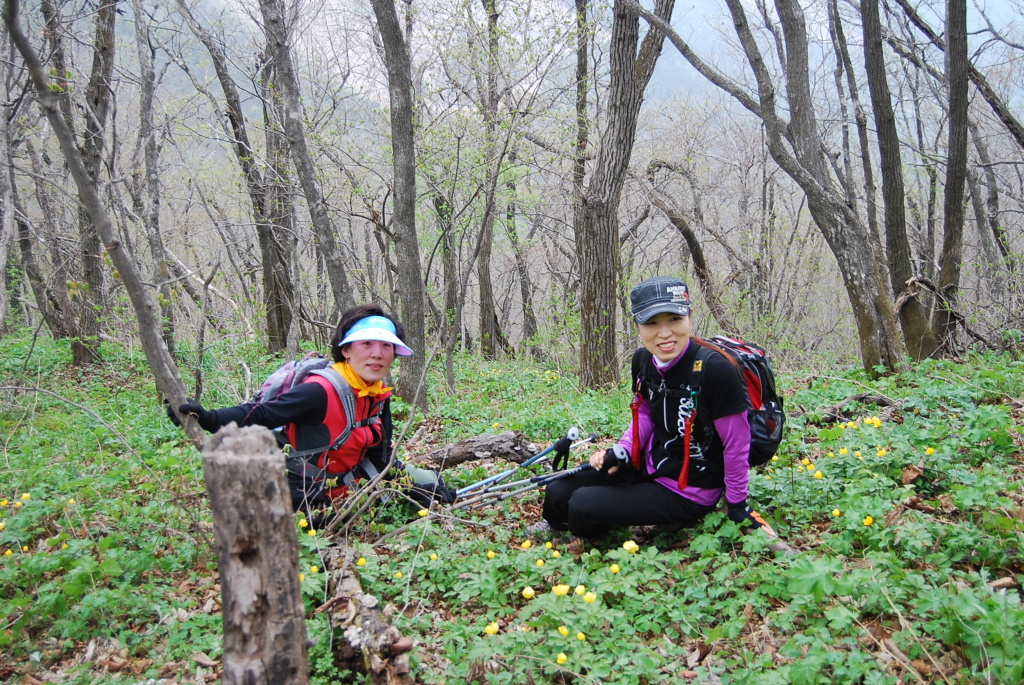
x=398, y=574
x=311, y=533
x=526, y=544
x=2, y=525
x=767, y=477
x=614, y=568
x=560, y=590
x=819, y=475
x=837, y=513
x=4, y=502
x=492, y=628
x=25, y=496
x=881, y=452
x=423, y=512
x=868, y=520
x=25, y=548
x=775, y=457
x=581, y=637
x=528, y=592
x=17, y=505
x=490, y=554
x=314, y=569
x=843, y=450
x=580, y=589
x=563, y=631
x=303, y=523
x=590, y=598
x=805, y=461
x=831, y=454
x=851, y=424
x=630, y=546
x=810, y=467
x=302, y=577
x=929, y=451
x=433, y=557
x=361, y=562
x=71, y=501
x=561, y=658
x=496, y=425
x=8, y=552
x=64, y=546
x=540, y=562
x=556, y=554
x=799, y=467
x=548, y=545
x=857, y=453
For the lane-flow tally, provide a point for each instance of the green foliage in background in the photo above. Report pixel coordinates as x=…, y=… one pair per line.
x=908, y=512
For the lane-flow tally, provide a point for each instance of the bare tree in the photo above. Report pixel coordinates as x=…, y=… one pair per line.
x=276, y=30
x=913, y=315
x=412, y=383
x=165, y=372
x=596, y=215
x=797, y=147
x=956, y=168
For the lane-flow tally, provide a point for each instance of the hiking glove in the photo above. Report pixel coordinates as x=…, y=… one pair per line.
x=616, y=456
x=207, y=419
x=741, y=511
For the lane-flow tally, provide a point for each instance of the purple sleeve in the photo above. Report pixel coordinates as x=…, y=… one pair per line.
x=646, y=428
x=735, y=433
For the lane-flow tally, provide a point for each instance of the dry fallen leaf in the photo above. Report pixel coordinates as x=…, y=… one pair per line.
x=203, y=660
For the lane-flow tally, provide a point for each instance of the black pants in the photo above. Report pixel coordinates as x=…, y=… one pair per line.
x=590, y=503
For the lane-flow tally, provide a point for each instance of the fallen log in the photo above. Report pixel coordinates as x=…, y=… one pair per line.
x=509, y=445
x=368, y=642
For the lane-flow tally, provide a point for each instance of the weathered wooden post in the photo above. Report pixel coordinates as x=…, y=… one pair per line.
x=257, y=550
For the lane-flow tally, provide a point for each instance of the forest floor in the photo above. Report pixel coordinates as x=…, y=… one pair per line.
x=902, y=495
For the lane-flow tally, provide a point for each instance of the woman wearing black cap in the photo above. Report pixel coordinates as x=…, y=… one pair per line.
x=688, y=441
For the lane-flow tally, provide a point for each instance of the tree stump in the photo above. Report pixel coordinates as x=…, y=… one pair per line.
x=257, y=551
x=510, y=445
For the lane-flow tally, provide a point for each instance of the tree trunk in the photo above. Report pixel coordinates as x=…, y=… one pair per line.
x=277, y=235
x=956, y=170
x=85, y=349
x=412, y=381
x=150, y=199
x=287, y=84
x=596, y=220
x=523, y=275
x=913, y=315
x=257, y=555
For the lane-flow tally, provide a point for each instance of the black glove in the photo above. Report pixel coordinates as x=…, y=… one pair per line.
x=741, y=511
x=616, y=456
x=207, y=419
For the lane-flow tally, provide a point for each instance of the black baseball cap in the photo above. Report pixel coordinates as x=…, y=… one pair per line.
x=657, y=295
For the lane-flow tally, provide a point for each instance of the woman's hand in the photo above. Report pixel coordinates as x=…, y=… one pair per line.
x=597, y=461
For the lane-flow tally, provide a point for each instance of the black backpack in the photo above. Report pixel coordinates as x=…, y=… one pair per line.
x=765, y=406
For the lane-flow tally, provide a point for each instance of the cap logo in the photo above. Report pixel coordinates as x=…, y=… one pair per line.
x=679, y=292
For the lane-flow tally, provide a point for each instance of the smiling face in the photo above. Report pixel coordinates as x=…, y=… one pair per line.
x=665, y=335
x=371, y=359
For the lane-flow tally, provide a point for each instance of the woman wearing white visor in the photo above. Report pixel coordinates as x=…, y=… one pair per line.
x=312, y=414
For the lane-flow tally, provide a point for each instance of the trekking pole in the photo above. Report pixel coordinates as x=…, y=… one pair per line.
x=501, y=494
x=563, y=445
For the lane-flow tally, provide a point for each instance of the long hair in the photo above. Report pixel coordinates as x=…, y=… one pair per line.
x=349, y=318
